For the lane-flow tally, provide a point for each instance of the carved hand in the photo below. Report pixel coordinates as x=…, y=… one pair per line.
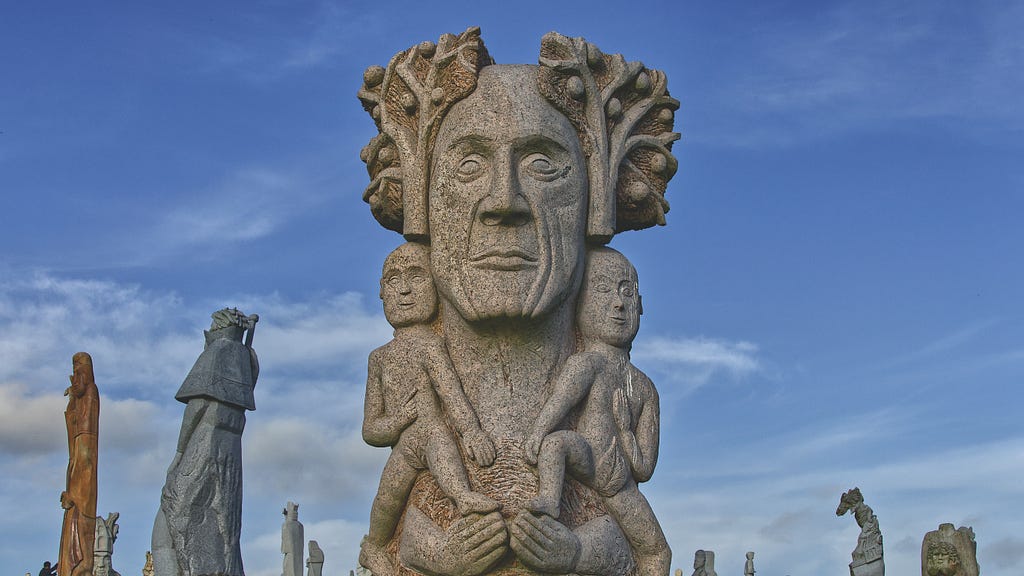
x=544, y=544
x=480, y=447
x=621, y=411
x=532, y=449
x=470, y=546
x=409, y=411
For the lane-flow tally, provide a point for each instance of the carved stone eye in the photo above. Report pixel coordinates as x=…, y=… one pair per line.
x=627, y=290
x=470, y=167
x=602, y=287
x=541, y=167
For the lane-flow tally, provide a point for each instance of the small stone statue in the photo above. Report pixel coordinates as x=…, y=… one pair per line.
x=199, y=523
x=292, y=537
x=315, y=562
x=949, y=552
x=867, y=556
x=106, y=534
x=82, y=416
x=402, y=409
x=147, y=568
x=678, y=572
x=748, y=568
x=615, y=444
x=704, y=563
x=47, y=570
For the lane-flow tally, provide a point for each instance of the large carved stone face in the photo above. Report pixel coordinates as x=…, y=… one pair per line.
x=508, y=198
x=406, y=288
x=609, y=309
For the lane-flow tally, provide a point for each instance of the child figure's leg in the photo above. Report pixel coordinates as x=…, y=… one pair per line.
x=636, y=519
x=445, y=463
x=395, y=485
x=560, y=450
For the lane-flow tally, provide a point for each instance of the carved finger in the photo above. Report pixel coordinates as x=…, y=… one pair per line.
x=476, y=532
x=491, y=557
x=547, y=534
x=488, y=551
x=524, y=544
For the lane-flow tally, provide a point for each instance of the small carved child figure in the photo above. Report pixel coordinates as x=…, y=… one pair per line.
x=406, y=378
x=615, y=444
x=748, y=568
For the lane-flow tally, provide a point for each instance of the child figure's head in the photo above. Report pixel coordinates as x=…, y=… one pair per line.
x=610, y=307
x=406, y=286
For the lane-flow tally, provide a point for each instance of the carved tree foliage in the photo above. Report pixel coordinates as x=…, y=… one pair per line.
x=624, y=116
x=407, y=101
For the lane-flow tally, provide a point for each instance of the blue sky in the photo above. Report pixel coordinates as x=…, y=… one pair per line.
x=835, y=302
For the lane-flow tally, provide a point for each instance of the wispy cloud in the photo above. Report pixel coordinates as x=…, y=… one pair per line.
x=693, y=362
x=856, y=65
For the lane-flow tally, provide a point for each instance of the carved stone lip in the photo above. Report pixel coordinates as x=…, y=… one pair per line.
x=617, y=319
x=508, y=259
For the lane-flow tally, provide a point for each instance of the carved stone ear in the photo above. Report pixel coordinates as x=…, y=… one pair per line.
x=408, y=100
x=624, y=117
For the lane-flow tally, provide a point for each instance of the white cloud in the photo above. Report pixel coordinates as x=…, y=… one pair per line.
x=692, y=362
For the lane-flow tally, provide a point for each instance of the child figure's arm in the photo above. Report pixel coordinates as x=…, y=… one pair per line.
x=379, y=427
x=456, y=405
x=640, y=439
x=571, y=386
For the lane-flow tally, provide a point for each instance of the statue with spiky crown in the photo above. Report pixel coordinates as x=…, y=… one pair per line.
x=511, y=174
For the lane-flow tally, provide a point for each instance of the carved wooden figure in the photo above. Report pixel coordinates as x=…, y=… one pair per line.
x=82, y=416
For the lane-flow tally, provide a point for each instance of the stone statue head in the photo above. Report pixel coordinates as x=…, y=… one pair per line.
x=942, y=559
x=699, y=558
x=610, y=306
x=406, y=287
x=750, y=555
x=291, y=511
x=227, y=323
x=510, y=170
x=849, y=501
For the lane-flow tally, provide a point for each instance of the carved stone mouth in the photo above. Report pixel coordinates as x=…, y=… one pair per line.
x=508, y=259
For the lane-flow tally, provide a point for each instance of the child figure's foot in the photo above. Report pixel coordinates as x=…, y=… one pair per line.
x=374, y=557
x=470, y=502
x=543, y=505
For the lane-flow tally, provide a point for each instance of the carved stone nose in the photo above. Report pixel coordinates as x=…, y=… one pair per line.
x=504, y=206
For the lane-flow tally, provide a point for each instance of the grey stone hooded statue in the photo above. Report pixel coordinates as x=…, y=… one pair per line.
x=199, y=523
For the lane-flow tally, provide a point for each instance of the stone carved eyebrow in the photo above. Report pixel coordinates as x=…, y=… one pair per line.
x=471, y=142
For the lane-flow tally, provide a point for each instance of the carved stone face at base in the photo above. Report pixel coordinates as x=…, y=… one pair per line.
x=609, y=309
x=508, y=198
x=406, y=288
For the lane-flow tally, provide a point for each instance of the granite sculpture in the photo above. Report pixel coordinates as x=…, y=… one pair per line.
x=199, y=522
x=315, y=562
x=867, y=556
x=748, y=566
x=704, y=563
x=147, y=568
x=78, y=532
x=292, y=538
x=949, y=552
x=106, y=534
x=504, y=178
